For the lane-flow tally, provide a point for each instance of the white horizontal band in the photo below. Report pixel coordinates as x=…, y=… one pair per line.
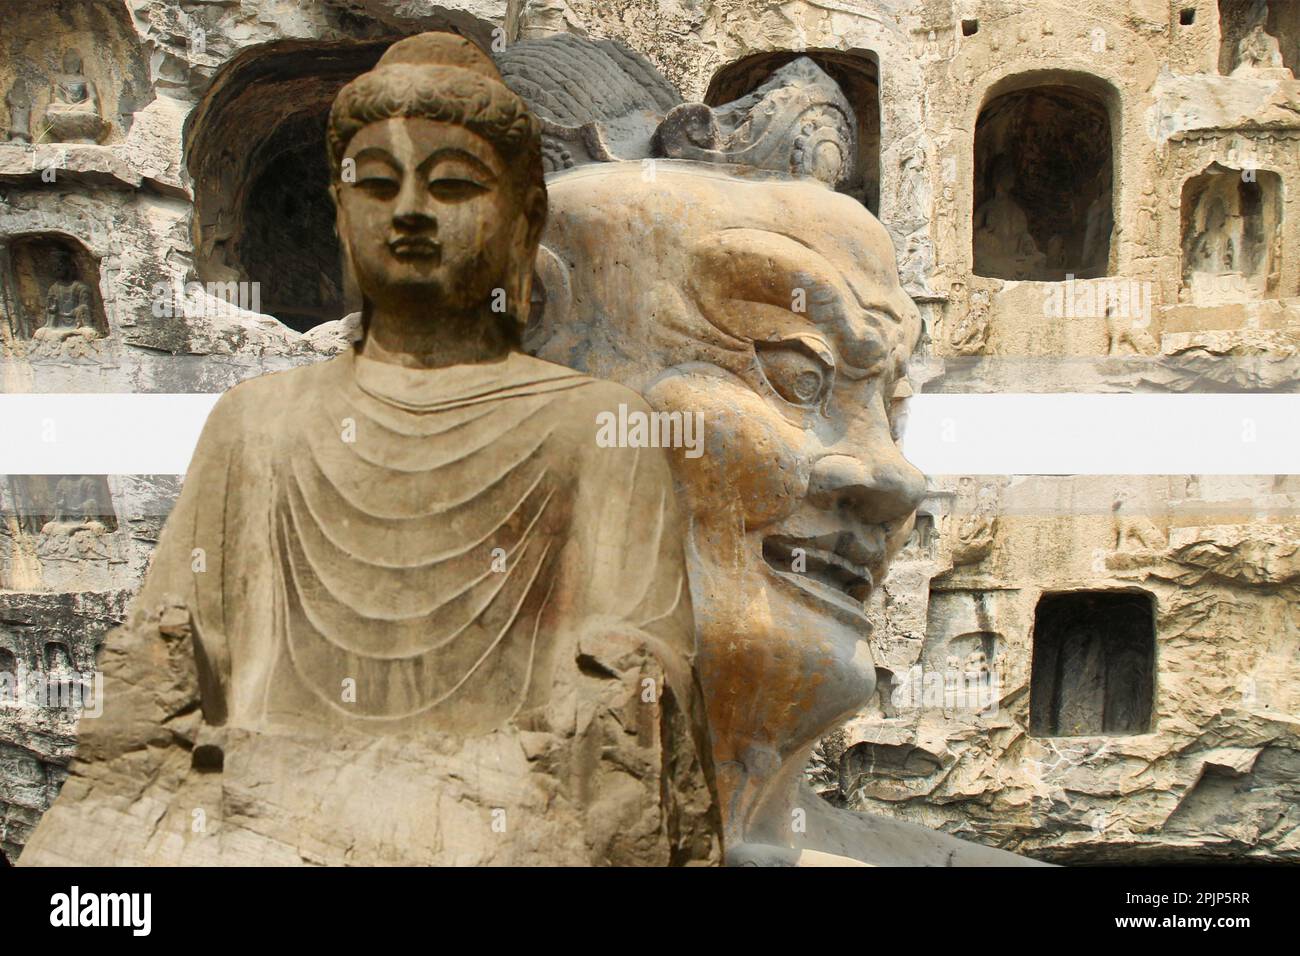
x=1073, y=434
x=946, y=434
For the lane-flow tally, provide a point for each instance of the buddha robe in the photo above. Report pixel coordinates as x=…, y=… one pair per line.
x=426, y=619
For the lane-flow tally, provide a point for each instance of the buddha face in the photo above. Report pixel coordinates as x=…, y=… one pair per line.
x=774, y=309
x=65, y=270
x=431, y=217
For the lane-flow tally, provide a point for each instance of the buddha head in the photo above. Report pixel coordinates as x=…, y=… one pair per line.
x=64, y=266
x=772, y=307
x=1004, y=177
x=437, y=181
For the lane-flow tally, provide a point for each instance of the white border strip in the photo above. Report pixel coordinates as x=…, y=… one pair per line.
x=101, y=434
x=1072, y=434
x=1054, y=434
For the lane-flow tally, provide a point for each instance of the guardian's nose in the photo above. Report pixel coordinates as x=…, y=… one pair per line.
x=884, y=489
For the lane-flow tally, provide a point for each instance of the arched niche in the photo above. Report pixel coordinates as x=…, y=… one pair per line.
x=44, y=275
x=255, y=149
x=923, y=543
x=34, y=82
x=858, y=76
x=1044, y=184
x=57, y=658
x=1231, y=234
x=1240, y=51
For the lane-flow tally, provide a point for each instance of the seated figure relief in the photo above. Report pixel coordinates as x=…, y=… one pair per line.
x=1228, y=252
x=735, y=284
x=69, y=328
x=1003, y=245
x=1259, y=53
x=78, y=528
x=69, y=303
x=73, y=113
x=77, y=507
x=407, y=608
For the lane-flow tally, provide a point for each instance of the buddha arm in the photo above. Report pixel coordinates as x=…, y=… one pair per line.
x=639, y=599
x=161, y=667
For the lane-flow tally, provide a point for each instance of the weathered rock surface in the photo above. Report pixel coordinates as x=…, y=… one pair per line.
x=948, y=743
x=154, y=785
x=36, y=729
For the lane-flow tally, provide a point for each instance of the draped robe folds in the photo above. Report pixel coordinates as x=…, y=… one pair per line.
x=408, y=616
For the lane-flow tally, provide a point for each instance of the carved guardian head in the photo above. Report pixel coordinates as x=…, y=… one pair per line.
x=772, y=308
x=717, y=272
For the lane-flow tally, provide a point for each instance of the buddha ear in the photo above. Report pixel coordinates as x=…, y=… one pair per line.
x=352, y=298
x=550, y=300
x=340, y=216
x=336, y=198
x=536, y=206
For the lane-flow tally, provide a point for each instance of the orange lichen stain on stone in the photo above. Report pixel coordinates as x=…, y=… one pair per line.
x=810, y=696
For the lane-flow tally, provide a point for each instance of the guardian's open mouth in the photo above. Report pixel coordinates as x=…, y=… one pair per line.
x=810, y=560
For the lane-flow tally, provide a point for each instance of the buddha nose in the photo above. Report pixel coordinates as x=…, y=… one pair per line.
x=414, y=206
x=882, y=489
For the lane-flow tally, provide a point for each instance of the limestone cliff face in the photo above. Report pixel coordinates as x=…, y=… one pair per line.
x=954, y=740
x=177, y=163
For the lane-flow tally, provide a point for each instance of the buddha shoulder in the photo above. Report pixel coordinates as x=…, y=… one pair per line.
x=592, y=402
x=256, y=403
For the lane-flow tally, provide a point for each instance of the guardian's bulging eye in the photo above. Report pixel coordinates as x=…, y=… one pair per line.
x=800, y=369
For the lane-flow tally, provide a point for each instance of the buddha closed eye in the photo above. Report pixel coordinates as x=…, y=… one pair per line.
x=449, y=177
x=458, y=177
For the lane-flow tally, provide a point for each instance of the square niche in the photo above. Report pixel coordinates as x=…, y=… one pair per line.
x=1093, y=669
x=1231, y=235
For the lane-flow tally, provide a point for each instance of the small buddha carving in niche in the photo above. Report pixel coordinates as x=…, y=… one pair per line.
x=69, y=303
x=1258, y=52
x=1228, y=247
x=1003, y=244
x=77, y=506
x=58, y=662
x=427, y=617
x=73, y=113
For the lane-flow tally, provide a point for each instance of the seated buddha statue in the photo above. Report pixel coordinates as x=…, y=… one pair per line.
x=72, y=115
x=1004, y=247
x=407, y=609
x=1259, y=54
x=69, y=303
